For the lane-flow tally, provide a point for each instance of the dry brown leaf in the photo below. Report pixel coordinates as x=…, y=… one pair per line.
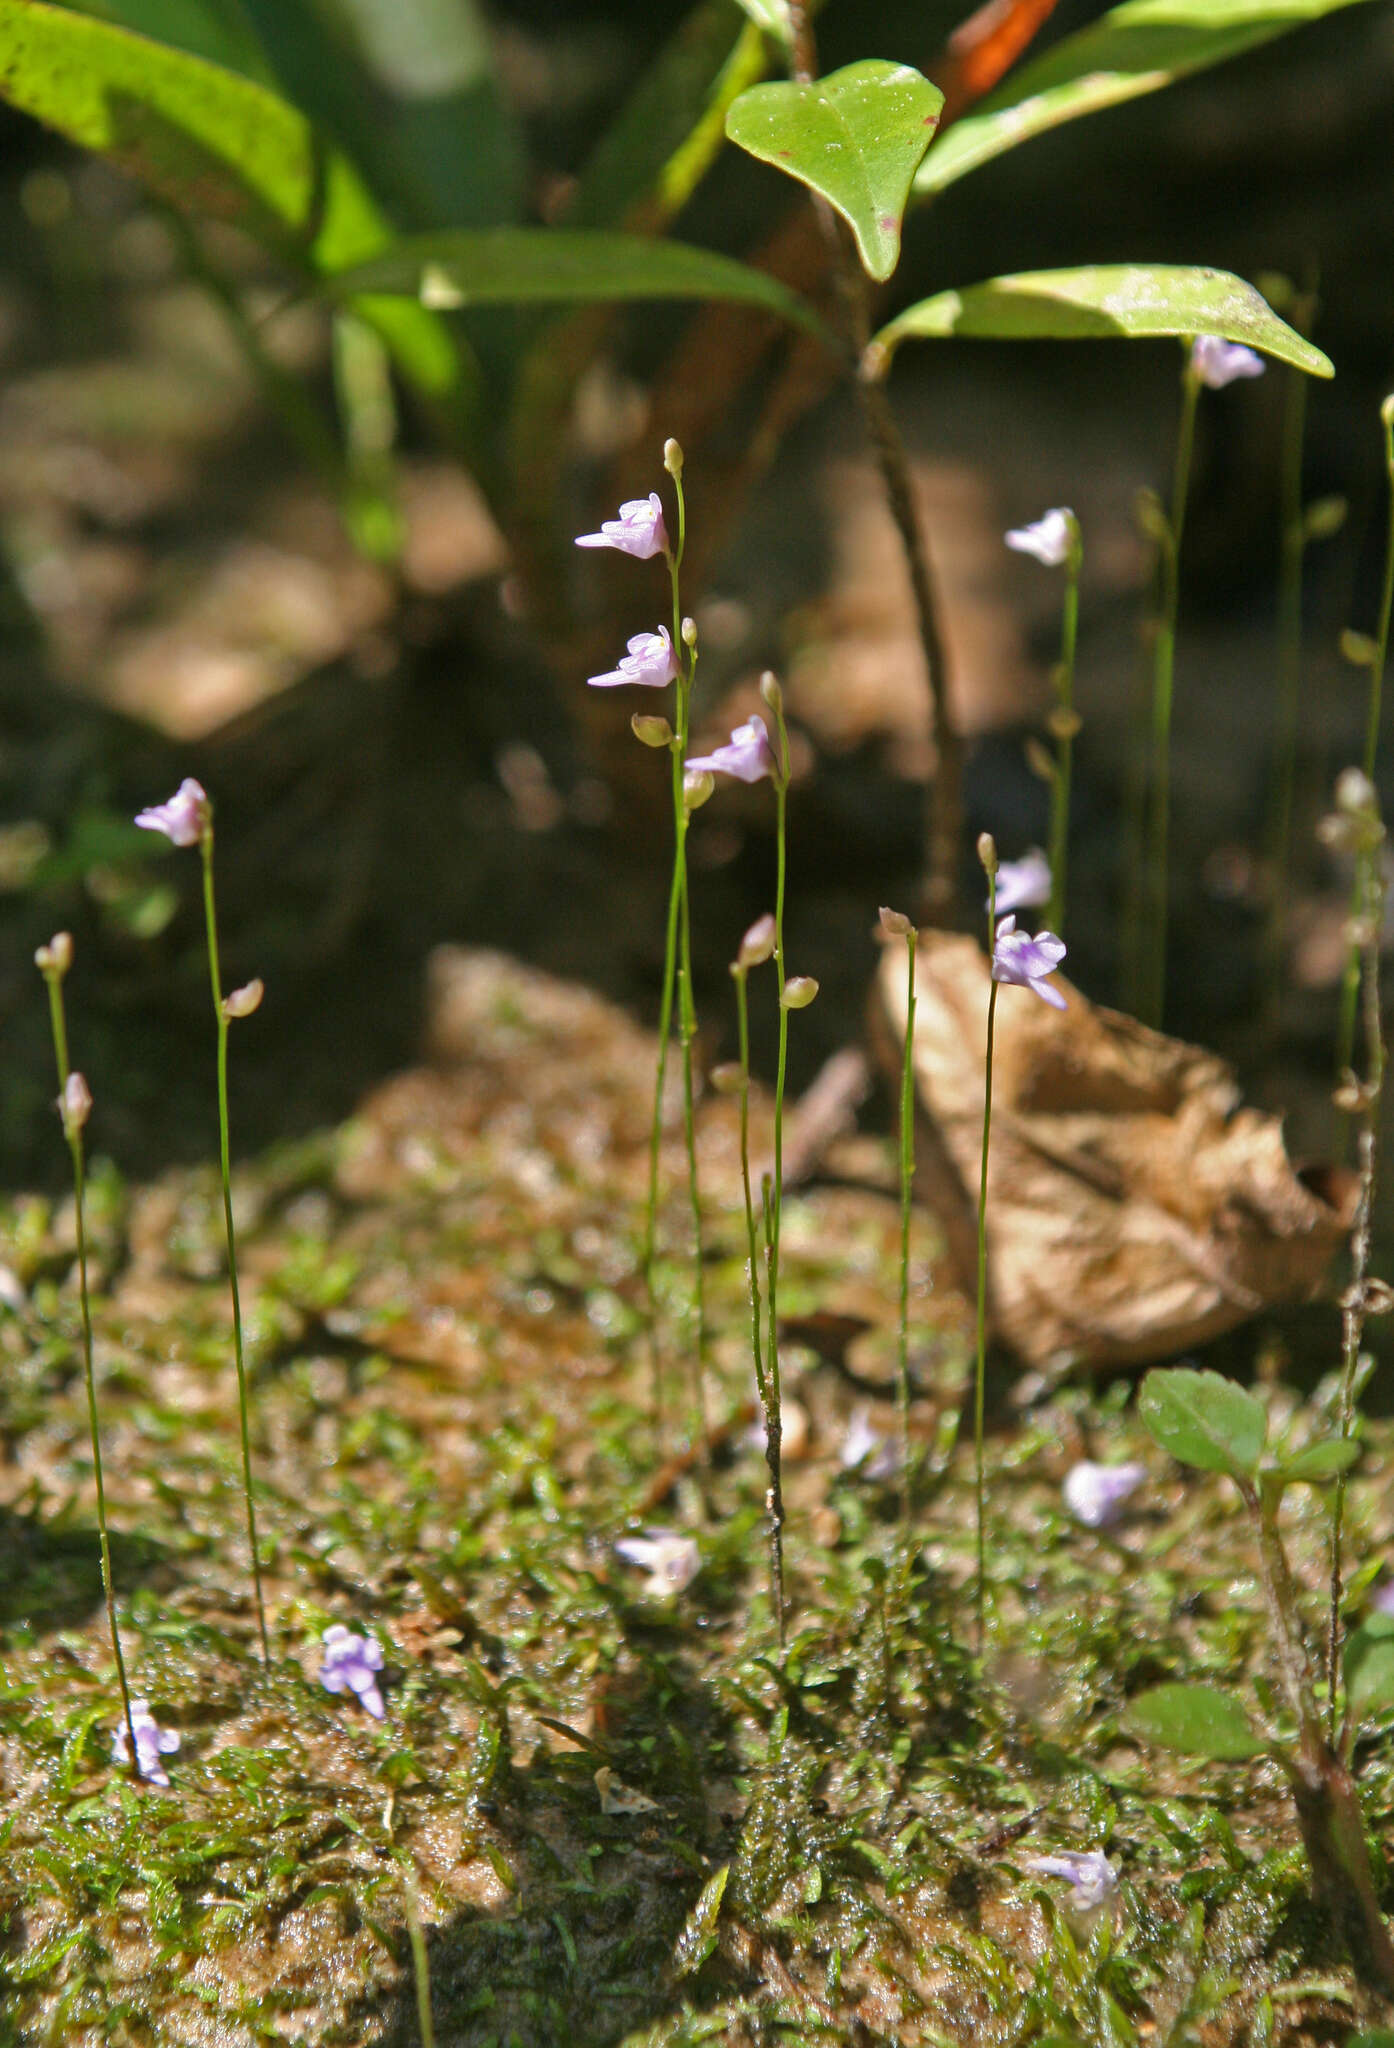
x=1134, y=1208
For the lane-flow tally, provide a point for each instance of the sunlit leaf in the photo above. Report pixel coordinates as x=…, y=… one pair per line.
x=1135, y=49
x=508, y=266
x=1204, y=1420
x=1198, y=1720
x=1108, y=299
x=207, y=28
x=855, y=136
x=699, y=1934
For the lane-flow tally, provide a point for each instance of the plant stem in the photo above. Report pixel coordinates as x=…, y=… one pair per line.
x=1163, y=675
x=1065, y=738
x=1353, y=1303
x=775, y=1425
x=1292, y=548
x=907, y=1175
x=774, y=1421
x=1350, y=984
x=945, y=790
x=980, y=1373
x=224, y=1151
x=752, y=1246
x=54, y=979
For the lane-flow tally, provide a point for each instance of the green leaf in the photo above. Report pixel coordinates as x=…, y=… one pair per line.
x=1135, y=49
x=207, y=28
x=855, y=136
x=1121, y=299
x=509, y=266
x=1369, y=1669
x=1199, y=1720
x=698, y=1937
x=207, y=139
x=773, y=17
x=1320, y=1461
x=1205, y=1420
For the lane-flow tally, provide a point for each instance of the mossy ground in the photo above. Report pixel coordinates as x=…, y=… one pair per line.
x=452, y=1426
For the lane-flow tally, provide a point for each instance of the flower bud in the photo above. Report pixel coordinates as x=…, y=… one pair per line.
x=1039, y=761
x=689, y=633
x=672, y=457
x=1386, y=411
x=56, y=957
x=1151, y=516
x=242, y=1001
x=729, y=1078
x=895, y=924
x=1358, y=649
x=799, y=991
x=1354, y=791
x=697, y=786
x=987, y=852
x=1064, y=722
x=771, y=692
x=651, y=730
x=758, y=944
x=75, y=1104
x=1323, y=518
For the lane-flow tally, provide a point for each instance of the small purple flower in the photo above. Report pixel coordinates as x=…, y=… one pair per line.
x=1383, y=1601
x=864, y=1449
x=1095, y=1494
x=1218, y=362
x=1091, y=1876
x=185, y=818
x=1022, y=882
x=152, y=1742
x=671, y=1561
x=351, y=1664
x=1025, y=962
x=748, y=755
x=651, y=660
x=1048, y=538
x=639, y=530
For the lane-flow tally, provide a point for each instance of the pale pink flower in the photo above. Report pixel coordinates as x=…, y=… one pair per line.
x=651, y=660
x=671, y=1561
x=1096, y=1494
x=1022, y=882
x=1218, y=362
x=1090, y=1875
x=1025, y=962
x=748, y=754
x=152, y=1742
x=639, y=530
x=184, y=819
x=1048, y=538
x=351, y=1664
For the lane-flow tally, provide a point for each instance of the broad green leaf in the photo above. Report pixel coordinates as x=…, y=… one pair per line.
x=699, y=1934
x=205, y=138
x=1102, y=299
x=855, y=136
x=1320, y=1461
x=1204, y=1420
x=206, y=28
x=668, y=131
x=1369, y=1669
x=508, y=266
x=1135, y=49
x=1199, y=1720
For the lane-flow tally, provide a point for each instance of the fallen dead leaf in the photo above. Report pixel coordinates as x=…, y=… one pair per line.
x=1134, y=1207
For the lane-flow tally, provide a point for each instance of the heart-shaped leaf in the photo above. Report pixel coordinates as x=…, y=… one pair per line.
x=855, y=136
x=1137, y=300
x=1204, y=1420
x=1199, y=1720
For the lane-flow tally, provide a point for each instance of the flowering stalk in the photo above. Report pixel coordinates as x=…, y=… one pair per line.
x=774, y=697
x=1350, y=985
x=756, y=947
x=1054, y=540
x=987, y=853
x=224, y=1011
x=894, y=924
x=1356, y=824
x=74, y=1105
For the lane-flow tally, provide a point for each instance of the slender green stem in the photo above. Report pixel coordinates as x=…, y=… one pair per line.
x=224, y=1151
x=1065, y=738
x=420, y=1964
x=1350, y=984
x=752, y=1247
x=1292, y=547
x=907, y=1176
x=775, y=1424
x=54, y=978
x=1163, y=676
x=1353, y=1307
x=980, y=1373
